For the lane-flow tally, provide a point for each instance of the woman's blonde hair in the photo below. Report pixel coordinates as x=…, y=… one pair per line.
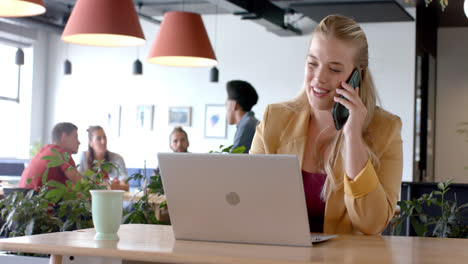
x=345, y=29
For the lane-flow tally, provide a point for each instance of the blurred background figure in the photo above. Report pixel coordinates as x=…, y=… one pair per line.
x=178, y=140
x=97, y=150
x=241, y=98
x=65, y=139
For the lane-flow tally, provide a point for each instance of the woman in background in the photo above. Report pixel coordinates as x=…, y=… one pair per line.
x=97, y=150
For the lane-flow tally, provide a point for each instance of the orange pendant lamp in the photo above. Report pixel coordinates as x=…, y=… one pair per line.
x=21, y=8
x=112, y=23
x=182, y=41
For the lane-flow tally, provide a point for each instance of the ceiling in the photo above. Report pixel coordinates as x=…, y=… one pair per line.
x=282, y=17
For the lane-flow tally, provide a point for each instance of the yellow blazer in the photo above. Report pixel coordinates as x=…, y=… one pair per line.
x=363, y=205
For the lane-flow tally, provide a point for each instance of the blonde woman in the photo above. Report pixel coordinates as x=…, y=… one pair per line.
x=351, y=177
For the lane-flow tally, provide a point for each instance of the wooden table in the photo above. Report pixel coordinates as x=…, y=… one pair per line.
x=135, y=196
x=155, y=243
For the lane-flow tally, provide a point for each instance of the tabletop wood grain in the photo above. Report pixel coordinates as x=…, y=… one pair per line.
x=156, y=243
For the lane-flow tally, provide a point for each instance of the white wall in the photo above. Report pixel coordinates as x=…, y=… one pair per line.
x=274, y=65
x=451, y=150
x=38, y=93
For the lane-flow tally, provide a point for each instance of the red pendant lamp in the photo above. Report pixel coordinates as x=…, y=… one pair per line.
x=182, y=41
x=111, y=23
x=21, y=8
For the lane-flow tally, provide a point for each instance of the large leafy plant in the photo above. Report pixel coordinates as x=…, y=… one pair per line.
x=55, y=206
x=447, y=223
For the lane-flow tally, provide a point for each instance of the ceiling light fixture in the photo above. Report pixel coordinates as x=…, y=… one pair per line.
x=214, y=74
x=21, y=8
x=112, y=23
x=182, y=41
x=137, y=67
x=67, y=67
x=19, y=57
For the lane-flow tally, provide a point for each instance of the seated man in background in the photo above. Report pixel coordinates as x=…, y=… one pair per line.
x=178, y=142
x=65, y=139
x=241, y=98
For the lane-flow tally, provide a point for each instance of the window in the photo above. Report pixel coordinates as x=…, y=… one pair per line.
x=15, y=103
x=10, y=74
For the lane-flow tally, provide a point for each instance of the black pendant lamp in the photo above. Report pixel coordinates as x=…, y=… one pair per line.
x=67, y=67
x=214, y=74
x=19, y=57
x=137, y=67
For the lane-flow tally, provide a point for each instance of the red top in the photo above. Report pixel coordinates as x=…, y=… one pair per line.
x=313, y=184
x=37, y=166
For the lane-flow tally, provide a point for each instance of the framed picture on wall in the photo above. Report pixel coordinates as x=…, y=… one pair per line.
x=144, y=117
x=215, y=121
x=180, y=116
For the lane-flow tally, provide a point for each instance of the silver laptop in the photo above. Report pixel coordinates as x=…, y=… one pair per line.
x=236, y=198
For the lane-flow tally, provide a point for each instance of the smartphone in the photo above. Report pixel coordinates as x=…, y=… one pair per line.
x=339, y=112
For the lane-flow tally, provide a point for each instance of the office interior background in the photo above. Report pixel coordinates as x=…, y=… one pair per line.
x=419, y=68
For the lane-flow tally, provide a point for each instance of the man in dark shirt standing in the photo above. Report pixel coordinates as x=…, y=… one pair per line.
x=65, y=139
x=241, y=98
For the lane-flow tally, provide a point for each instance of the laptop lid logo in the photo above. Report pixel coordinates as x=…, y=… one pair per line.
x=232, y=198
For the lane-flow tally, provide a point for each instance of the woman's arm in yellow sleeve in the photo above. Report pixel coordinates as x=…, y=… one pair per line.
x=371, y=196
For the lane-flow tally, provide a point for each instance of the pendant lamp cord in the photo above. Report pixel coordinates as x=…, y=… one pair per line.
x=140, y=5
x=69, y=7
x=19, y=84
x=216, y=25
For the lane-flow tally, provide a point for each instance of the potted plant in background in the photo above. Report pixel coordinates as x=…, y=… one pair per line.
x=447, y=223
x=55, y=206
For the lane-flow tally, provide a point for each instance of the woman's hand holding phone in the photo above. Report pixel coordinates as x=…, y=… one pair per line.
x=348, y=104
x=356, y=108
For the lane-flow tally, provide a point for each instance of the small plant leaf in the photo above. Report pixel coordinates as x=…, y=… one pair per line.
x=441, y=186
x=50, y=158
x=66, y=156
x=56, y=152
x=44, y=176
x=55, y=163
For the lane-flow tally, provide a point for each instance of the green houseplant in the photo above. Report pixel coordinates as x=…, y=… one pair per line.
x=447, y=223
x=55, y=206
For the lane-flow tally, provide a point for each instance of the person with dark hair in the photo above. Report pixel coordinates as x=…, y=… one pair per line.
x=241, y=98
x=97, y=150
x=65, y=140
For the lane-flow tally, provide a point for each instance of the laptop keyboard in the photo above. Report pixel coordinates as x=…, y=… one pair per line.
x=315, y=238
